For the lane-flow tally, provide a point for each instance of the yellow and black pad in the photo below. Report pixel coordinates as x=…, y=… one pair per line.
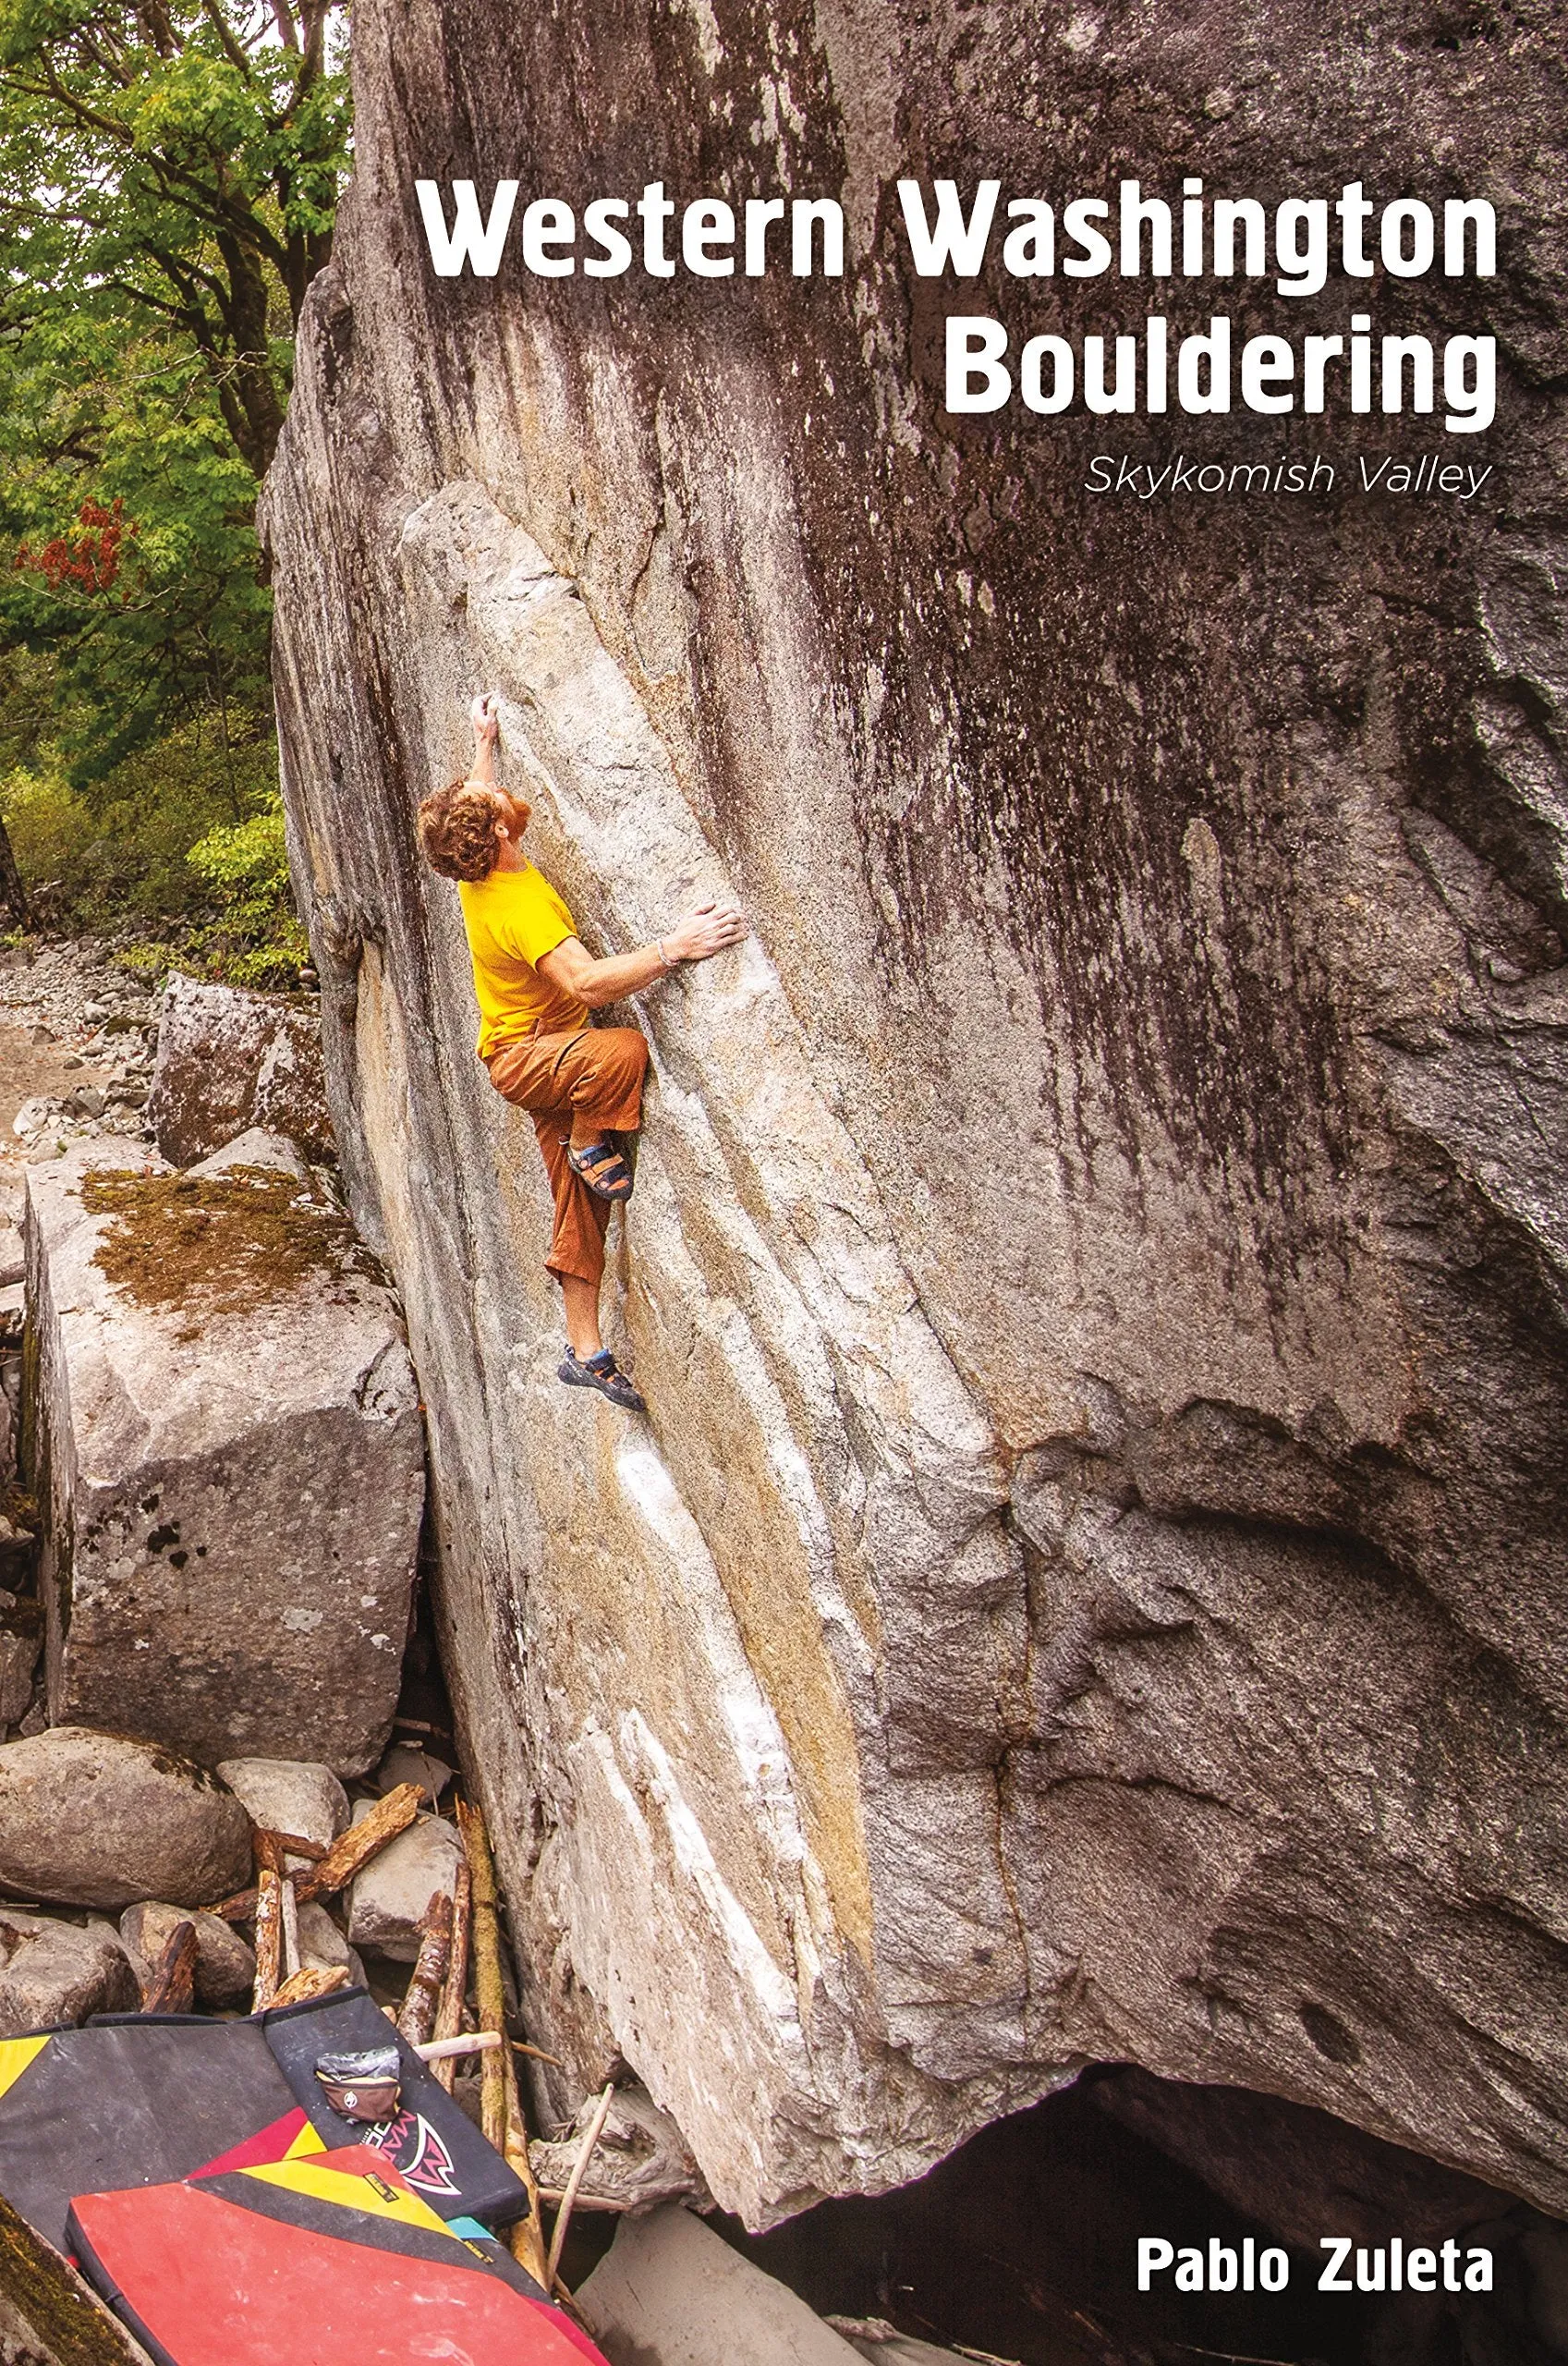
x=125, y=2103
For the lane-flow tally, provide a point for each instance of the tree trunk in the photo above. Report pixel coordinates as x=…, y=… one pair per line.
x=13, y=894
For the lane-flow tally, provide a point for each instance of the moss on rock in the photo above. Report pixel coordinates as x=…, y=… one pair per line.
x=219, y=1244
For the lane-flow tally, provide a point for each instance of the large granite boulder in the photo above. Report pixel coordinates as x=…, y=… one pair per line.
x=92, y=1819
x=227, y=1444
x=1091, y=1585
x=229, y=1058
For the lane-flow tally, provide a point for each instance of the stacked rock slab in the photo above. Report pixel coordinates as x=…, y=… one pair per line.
x=234, y=1495
x=229, y=1059
x=1092, y=1582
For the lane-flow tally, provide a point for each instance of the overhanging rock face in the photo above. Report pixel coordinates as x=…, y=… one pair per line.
x=233, y=1493
x=1091, y=1584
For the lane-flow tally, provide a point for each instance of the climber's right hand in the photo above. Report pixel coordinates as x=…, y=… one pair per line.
x=486, y=717
x=710, y=927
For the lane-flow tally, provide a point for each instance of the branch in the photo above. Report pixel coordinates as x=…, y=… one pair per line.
x=55, y=89
x=232, y=49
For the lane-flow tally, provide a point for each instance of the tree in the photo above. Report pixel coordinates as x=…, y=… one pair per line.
x=173, y=166
x=168, y=174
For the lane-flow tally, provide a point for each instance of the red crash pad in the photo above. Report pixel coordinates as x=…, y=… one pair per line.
x=330, y=2260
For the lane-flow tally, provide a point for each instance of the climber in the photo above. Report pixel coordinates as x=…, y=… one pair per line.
x=537, y=986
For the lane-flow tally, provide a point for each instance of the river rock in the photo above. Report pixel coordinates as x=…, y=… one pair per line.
x=388, y=1900
x=226, y=1966
x=230, y=1456
x=670, y=2292
x=90, y=1819
x=1092, y=1586
x=323, y=1945
x=52, y=1974
x=282, y=1795
x=229, y=1058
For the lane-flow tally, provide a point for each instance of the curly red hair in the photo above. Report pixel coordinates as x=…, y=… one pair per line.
x=461, y=828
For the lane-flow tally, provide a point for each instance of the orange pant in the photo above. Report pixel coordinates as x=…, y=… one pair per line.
x=594, y=1073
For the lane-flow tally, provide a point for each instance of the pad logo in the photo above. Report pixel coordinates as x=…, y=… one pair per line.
x=412, y=2145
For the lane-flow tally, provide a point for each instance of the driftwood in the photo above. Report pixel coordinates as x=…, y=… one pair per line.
x=171, y=1984
x=417, y=2020
x=641, y=2159
x=269, y=1938
x=347, y=1854
x=501, y=2105
x=294, y=1844
x=592, y=2135
x=448, y=2049
x=312, y=1979
x=449, y=2012
x=289, y=1916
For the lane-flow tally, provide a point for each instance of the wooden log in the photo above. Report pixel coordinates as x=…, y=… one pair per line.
x=289, y=1916
x=362, y=1841
x=438, y=2049
x=171, y=1985
x=312, y=1979
x=269, y=1938
x=490, y=1998
x=294, y=1844
x=500, y=2105
x=592, y=2135
x=417, y=2020
x=449, y=2012
x=347, y=1854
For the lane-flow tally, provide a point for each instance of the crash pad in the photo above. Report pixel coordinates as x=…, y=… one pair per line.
x=328, y=2261
x=139, y=2100
x=432, y=2140
x=134, y=2103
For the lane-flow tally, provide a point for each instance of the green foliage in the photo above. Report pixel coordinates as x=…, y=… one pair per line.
x=175, y=164
x=168, y=171
x=180, y=848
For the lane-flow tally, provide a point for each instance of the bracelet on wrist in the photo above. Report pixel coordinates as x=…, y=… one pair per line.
x=665, y=962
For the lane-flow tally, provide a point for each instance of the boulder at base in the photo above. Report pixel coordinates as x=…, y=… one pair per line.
x=225, y=1967
x=228, y=1059
x=390, y=1898
x=672, y=2293
x=283, y=1795
x=322, y=1947
x=52, y=1974
x=92, y=1820
x=229, y=1454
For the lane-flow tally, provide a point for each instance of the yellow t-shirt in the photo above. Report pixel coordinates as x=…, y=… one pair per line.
x=514, y=919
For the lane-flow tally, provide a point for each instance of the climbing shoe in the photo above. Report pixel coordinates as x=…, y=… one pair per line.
x=602, y=1169
x=603, y=1373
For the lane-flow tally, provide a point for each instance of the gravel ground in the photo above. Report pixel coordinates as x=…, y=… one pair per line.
x=77, y=1040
